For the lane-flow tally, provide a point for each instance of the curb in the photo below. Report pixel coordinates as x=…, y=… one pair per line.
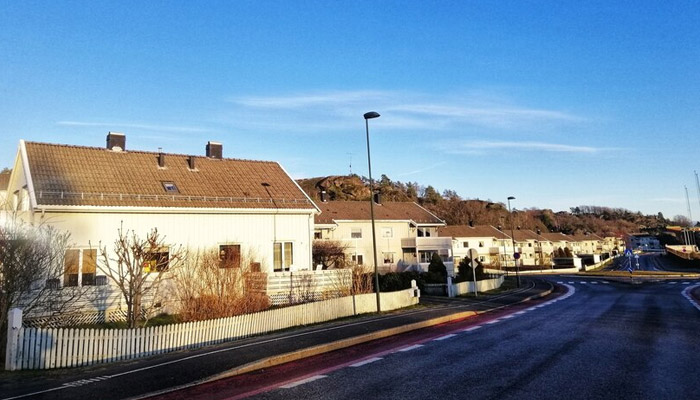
x=273, y=361
x=344, y=343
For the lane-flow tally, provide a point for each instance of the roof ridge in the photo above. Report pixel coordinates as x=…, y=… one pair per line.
x=143, y=152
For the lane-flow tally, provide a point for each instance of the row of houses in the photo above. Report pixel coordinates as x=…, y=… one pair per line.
x=251, y=212
x=408, y=236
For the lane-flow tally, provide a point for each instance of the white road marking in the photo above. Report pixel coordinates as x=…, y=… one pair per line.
x=451, y=335
x=584, y=282
x=495, y=321
x=672, y=283
x=594, y=282
x=365, y=362
x=409, y=348
x=560, y=282
x=606, y=282
x=303, y=381
x=508, y=316
x=686, y=283
x=686, y=294
x=521, y=312
x=471, y=329
x=572, y=282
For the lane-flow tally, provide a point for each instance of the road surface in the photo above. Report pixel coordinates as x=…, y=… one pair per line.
x=603, y=339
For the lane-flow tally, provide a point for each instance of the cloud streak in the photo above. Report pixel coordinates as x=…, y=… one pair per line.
x=400, y=110
x=482, y=146
x=117, y=125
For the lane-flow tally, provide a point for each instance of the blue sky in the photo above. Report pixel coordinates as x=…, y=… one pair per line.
x=556, y=103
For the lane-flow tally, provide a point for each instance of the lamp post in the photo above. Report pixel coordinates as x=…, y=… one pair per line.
x=368, y=116
x=512, y=238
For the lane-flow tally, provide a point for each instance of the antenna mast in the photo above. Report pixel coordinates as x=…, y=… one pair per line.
x=687, y=201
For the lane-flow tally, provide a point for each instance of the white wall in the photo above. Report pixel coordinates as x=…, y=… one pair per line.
x=254, y=232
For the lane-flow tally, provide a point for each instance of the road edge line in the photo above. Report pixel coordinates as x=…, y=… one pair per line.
x=279, y=359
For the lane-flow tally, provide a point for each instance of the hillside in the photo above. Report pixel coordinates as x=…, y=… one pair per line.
x=457, y=211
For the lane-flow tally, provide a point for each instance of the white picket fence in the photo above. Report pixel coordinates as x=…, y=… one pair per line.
x=33, y=348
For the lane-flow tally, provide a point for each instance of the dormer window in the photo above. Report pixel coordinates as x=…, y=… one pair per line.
x=170, y=187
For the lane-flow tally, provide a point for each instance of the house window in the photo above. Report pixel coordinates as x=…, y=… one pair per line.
x=423, y=232
x=387, y=232
x=80, y=267
x=230, y=256
x=388, y=258
x=465, y=245
x=356, y=233
x=170, y=187
x=283, y=256
x=317, y=235
x=156, y=260
x=481, y=244
x=358, y=259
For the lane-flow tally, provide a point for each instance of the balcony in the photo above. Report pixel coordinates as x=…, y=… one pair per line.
x=427, y=243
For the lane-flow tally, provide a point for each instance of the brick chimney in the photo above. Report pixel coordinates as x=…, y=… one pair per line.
x=161, y=160
x=215, y=150
x=190, y=163
x=116, y=141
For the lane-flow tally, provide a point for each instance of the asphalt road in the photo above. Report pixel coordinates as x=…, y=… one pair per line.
x=606, y=339
x=651, y=262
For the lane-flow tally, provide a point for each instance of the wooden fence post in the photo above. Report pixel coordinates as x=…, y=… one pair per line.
x=14, y=324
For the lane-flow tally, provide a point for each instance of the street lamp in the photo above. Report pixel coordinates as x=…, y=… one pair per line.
x=368, y=116
x=512, y=238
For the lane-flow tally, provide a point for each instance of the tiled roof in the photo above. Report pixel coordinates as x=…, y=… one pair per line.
x=389, y=211
x=5, y=180
x=590, y=236
x=90, y=176
x=556, y=237
x=466, y=231
x=522, y=235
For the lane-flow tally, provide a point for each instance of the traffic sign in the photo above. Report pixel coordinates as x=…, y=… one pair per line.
x=516, y=256
x=473, y=255
x=628, y=253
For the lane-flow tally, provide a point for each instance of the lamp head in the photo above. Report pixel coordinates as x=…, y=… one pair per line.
x=511, y=198
x=371, y=114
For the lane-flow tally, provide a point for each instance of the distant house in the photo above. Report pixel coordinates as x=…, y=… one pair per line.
x=558, y=241
x=534, y=249
x=247, y=210
x=489, y=242
x=406, y=233
x=644, y=242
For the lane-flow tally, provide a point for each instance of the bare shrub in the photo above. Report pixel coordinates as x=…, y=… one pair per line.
x=31, y=269
x=138, y=267
x=207, y=287
x=329, y=253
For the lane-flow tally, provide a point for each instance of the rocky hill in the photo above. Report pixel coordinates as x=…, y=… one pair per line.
x=457, y=211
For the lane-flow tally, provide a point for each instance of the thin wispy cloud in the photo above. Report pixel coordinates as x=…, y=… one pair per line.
x=118, y=125
x=418, y=171
x=483, y=146
x=400, y=110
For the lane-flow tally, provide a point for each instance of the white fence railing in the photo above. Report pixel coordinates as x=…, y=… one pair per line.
x=33, y=348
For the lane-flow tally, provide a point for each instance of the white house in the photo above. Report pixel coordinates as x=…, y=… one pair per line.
x=238, y=207
x=489, y=242
x=406, y=233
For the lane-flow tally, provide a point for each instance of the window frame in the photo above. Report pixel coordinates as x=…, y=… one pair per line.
x=234, y=257
x=284, y=259
x=78, y=276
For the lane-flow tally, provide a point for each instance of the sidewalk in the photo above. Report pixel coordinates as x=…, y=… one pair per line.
x=139, y=378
